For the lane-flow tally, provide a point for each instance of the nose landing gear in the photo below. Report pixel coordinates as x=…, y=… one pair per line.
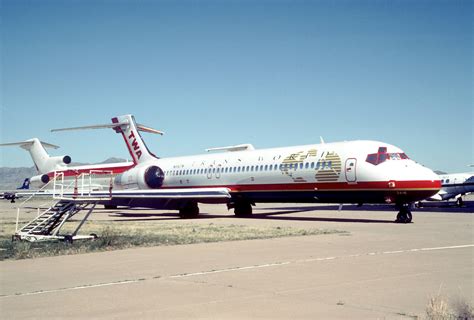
x=404, y=215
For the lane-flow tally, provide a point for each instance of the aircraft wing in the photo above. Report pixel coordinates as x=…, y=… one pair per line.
x=202, y=194
x=148, y=197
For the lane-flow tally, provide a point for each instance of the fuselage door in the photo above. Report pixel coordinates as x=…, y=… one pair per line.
x=351, y=172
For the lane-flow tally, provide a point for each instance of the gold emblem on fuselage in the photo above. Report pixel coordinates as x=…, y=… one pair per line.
x=328, y=167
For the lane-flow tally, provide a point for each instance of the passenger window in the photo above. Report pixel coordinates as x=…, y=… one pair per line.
x=266, y=167
x=312, y=165
x=251, y=168
x=301, y=165
x=306, y=166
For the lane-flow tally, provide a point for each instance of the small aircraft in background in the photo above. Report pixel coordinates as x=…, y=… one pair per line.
x=454, y=186
x=342, y=172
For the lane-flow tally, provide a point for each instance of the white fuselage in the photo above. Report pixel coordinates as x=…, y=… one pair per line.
x=332, y=172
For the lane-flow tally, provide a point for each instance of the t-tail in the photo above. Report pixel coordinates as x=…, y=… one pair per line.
x=129, y=129
x=44, y=163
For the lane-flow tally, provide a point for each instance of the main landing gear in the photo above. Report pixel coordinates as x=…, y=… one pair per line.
x=189, y=211
x=242, y=209
x=404, y=215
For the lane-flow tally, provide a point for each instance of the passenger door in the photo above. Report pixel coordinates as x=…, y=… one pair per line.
x=350, y=170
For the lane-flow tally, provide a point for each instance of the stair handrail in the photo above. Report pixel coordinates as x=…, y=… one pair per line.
x=104, y=172
x=21, y=205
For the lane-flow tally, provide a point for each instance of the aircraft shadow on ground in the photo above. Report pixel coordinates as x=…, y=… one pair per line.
x=281, y=213
x=468, y=207
x=165, y=216
x=276, y=215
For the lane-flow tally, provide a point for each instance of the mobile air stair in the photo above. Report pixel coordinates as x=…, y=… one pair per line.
x=47, y=225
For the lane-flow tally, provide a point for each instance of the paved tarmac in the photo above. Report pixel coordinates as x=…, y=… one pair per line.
x=380, y=270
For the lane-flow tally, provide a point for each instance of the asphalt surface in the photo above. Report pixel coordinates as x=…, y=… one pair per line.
x=380, y=270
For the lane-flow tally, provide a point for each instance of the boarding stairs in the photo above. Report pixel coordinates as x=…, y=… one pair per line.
x=69, y=200
x=47, y=225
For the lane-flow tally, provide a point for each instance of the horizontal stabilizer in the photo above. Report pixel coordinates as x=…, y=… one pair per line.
x=140, y=127
x=29, y=143
x=240, y=147
x=97, y=126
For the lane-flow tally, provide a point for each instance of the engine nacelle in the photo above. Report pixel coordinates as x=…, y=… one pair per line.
x=141, y=177
x=55, y=163
x=39, y=181
x=52, y=161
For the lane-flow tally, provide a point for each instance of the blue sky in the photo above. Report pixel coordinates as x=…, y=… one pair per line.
x=215, y=73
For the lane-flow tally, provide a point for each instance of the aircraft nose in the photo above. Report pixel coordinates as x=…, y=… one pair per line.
x=427, y=177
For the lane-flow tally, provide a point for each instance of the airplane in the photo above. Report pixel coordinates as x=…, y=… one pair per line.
x=454, y=186
x=340, y=172
x=47, y=166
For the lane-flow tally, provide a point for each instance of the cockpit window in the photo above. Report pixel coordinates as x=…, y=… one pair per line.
x=382, y=156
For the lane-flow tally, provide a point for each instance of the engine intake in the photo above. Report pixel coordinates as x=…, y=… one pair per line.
x=141, y=177
x=154, y=177
x=39, y=180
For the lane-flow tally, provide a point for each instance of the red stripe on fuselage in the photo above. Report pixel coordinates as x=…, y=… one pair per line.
x=327, y=186
x=97, y=171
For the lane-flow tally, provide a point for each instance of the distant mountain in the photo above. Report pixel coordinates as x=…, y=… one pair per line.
x=113, y=160
x=12, y=178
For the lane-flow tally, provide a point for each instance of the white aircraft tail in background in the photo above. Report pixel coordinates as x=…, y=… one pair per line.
x=44, y=163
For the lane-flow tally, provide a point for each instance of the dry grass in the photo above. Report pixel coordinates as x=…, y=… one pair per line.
x=120, y=235
x=439, y=308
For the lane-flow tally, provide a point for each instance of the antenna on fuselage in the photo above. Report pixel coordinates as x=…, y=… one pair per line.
x=322, y=140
